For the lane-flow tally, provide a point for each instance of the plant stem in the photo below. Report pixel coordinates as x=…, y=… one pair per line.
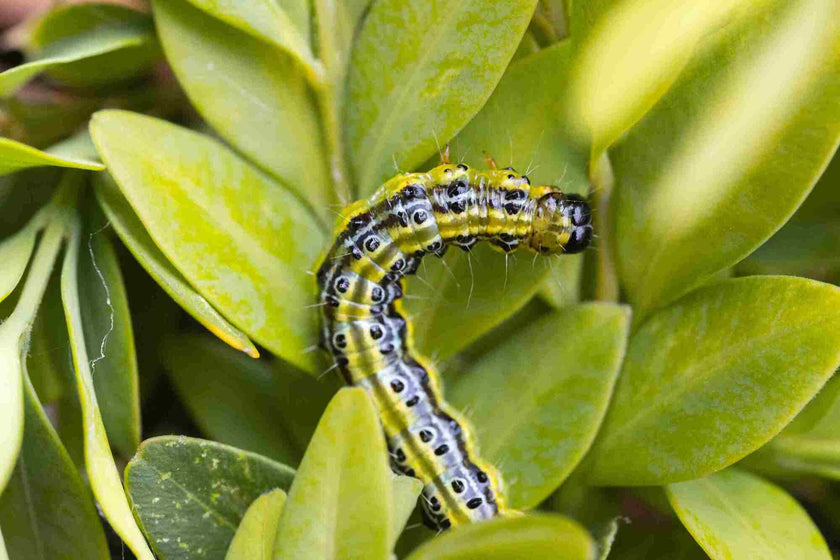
x=601, y=177
x=335, y=141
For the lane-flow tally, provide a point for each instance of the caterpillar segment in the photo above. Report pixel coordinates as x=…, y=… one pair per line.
x=383, y=239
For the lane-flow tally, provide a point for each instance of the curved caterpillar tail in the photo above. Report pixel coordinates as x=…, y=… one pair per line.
x=364, y=328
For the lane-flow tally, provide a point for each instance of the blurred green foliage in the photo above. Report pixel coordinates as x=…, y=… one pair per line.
x=168, y=178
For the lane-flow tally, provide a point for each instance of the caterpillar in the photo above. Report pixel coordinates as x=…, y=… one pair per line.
x=378, y=242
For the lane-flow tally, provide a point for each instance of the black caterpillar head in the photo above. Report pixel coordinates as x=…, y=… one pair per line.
x=561, y=224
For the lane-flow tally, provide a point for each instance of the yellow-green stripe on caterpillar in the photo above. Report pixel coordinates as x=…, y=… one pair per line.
x=382, y=239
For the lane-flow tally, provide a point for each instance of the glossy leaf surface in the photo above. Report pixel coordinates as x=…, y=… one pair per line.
x=15, y=156
x=808, y=445
x=455, y=308
x=285, y=24
x=697, y=190
x=532, y=537
x=131, y=231
x=191, y=494
x=253, y=95
x=13, y=332
x=733, y=514
x=714, y=376
x=341, y=504
x=46, y=510
x=104, y=478
x=248, y=260
x=536, y=400
x=435, y=83
x=254, y=538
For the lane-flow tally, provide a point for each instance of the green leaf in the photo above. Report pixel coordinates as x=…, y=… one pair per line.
x=269, y=408
x=406, y=491
x=733, y=514
x=253, y=96
x=134, y=235
x=632, y=53
x=48, y=346
x=91, y=45
x=50, y=367
x=46, y=510
x=242, y=241
x=809, y=244
x=190, y=494
x=484, y=292
x=15, y=252
x=645, y=539
x=597, y=509
x=15, y=156
x=13, y=332
x=537, y=400
x=99, y=462
x=435, y=83
x=751, y=348
x=109, y=337
x=725, y=170
x=341, y=504
x=562, y=285
x=284, y=24
x=254, y=539
x=532, y=537
x=24, y=194
x=808, y=445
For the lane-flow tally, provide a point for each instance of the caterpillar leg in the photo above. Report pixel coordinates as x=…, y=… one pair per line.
x=489, y=161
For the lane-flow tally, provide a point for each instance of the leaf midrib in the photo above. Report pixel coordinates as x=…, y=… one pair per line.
x=724, y=357
x=739, y=517
x=383, y=132
x=191, y=496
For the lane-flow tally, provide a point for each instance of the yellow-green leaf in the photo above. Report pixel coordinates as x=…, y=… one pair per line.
x=714, y=376
x=134, y=235
x=46, y=510
x=14, y=254
x=241, y=240
x=808, y=445
x=631, y=56
x=99, y=462
x=13, y=332
x=87, y=45
x=254, y=538
x=443, y=61
x=531, y=537
x=728, y=154
x=270, y=408
x=734, y=515
x=109, y=337
x=15, y=156
x=341, y=504
x=191, y=494
x=457, y=305
x=406, y=491
x=253, y=95
x=536, y=400
x=282, y=23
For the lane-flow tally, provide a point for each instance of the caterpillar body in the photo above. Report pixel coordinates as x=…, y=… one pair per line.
x=382, y=239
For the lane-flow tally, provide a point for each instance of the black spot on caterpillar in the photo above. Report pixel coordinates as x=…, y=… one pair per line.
x=383, y=239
